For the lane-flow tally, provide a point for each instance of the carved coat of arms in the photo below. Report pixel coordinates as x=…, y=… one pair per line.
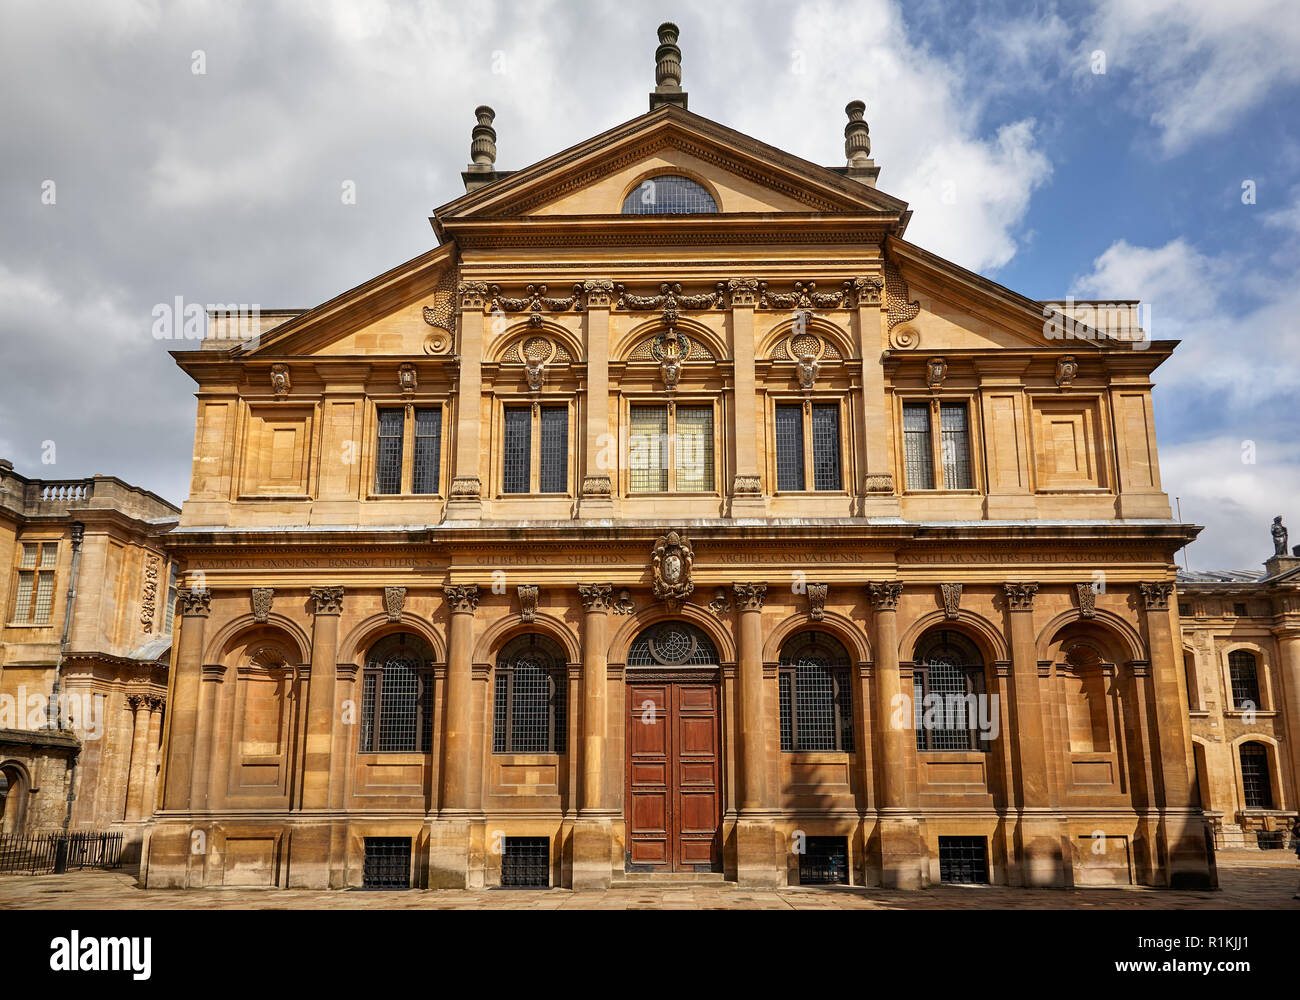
x=671, y=564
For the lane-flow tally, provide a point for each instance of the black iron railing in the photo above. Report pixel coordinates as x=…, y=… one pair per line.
x=58, y=852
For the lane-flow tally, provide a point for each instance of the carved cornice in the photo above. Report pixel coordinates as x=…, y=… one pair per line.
x=261, y=599
x=884, y=596
x=327, y=600
x=1020, y=596
x=1155, y=596
x=596, y=596
x=462, y=598
x=194, y=603
x=394, y=602
x=750, y=596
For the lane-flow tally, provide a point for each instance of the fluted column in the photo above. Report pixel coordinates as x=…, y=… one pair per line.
x=139, y=752
x=195, y=606
x=1182, y=825
x=753, y=742
x=327, y=605
x=462, y=601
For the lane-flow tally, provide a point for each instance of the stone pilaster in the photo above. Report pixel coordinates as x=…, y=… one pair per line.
x=878, y=486
x=902, y=845
x=595, y=498
x=746, y=489
x=465, y=501
x=1038, y=833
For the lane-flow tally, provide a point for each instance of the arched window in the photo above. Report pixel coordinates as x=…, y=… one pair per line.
x=672, y=644
x=528, y=709
x=1245, y=679
x=816, y=694
x=948, y=690
x=1255, y=783
x=668, y=194
x=397, y=696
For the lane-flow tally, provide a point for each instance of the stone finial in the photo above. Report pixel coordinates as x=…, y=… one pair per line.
x=857, y=137
x=668, y=69
x=483, y=146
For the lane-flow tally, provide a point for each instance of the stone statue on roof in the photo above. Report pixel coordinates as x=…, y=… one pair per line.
x=1279, y=536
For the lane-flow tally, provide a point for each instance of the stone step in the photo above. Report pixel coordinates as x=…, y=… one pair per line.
x=670, y=880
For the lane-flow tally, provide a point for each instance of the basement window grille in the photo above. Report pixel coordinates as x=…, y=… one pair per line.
x=825, y=861
x=387, y=863
x=526, y=863
x=963, y=860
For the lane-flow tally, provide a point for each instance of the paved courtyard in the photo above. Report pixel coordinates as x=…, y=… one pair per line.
x=1250, y=881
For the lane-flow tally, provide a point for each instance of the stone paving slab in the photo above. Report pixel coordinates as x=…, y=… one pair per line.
x=1249, y=880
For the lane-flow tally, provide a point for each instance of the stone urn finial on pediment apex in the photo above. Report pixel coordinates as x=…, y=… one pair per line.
x=671, y=563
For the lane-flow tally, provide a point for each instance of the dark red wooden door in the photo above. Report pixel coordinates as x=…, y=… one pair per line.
x=673, y=800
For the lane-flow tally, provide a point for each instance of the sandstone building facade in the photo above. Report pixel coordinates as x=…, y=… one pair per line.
x=84, y=652
x=638, y=529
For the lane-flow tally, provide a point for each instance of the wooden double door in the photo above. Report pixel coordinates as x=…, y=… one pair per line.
x=673, y=794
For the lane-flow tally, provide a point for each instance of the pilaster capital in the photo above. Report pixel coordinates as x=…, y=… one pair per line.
x=884, y=596
x=596, y=596
x=472, y=294
x=1140, y=668
x=463, y=598
x=327, y=600
x=196, y=603
x=868, y=289
x=744, y=292
x=750, y=596
x=599, y=292
x=1020, y=596
x=1155, y=596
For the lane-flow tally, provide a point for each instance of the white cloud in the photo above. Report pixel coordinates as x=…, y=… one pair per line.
x=1198, y=66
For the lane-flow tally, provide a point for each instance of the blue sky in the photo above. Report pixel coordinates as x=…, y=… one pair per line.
x=1018, y=159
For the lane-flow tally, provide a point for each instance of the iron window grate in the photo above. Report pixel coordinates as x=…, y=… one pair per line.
x=526, y=863
x=1271, y=840
x=1245, y=679
x=387, y=863
x=528, y=708
x=825, y=861
x=1255, y=785
x=816, y=694
x=963, y=860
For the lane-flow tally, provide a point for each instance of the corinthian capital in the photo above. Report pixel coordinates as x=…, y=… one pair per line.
x=1155, y=596
x=327, y=600
x=194, y=603
x=884, y=596
x=750, y=596
x=462, y=597
x=1020, y=596
x=596, y=596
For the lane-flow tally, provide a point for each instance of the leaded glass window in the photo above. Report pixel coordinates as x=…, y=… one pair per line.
x=671, y=450
x=554, y=470
x=948, y=686
x=816, y=694
x=388, y=456
x=826, y=446
x=789, y=448
x=648, y=450
x=428, y=450
x=669, y=194
x=34, y=595
x=955, y=446
x=1245, y=680
x=396, y=696
x=672, y=644
x=918, y=456
x=1255, y=784
x=516, y=475
x=528, y=712
x=694, y=447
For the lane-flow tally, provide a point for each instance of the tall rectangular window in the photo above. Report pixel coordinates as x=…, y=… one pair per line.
x=428, y=450
x=952, y=468
x=536, y=450
x=554, y=463
x=34, y=595
x=789, y=448
x=648, y=449
x=918, y=455
x=956, y=446
x=826, y=446
x=694, y=445
x=516, y=474
x=388, y=456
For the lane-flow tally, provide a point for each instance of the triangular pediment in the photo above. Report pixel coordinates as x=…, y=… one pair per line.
x=746, y=177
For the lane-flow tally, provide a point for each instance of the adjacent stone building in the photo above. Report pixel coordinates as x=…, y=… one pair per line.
x=1241, y=654
x=675, y=517
x=84, y=652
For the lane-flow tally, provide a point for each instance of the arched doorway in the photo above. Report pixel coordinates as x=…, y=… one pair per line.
x=673, y=796
x=13, y=798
